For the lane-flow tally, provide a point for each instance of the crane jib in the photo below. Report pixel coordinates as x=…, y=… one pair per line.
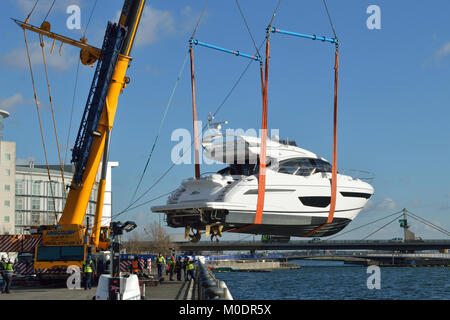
x=112, y=45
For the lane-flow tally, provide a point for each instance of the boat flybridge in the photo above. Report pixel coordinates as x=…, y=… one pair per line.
x=297, y=192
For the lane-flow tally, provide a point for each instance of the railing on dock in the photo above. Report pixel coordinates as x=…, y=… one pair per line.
x=209, y=288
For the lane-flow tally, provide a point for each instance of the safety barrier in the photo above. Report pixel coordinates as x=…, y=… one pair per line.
x=209, y=288
x=19, y=243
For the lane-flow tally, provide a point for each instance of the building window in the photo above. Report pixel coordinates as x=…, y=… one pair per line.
x=51, y=204
x=7, y=172
x=19, y=187
x=36, y=188
x=7, y=203
x=51, y=218
x=6, y=219
x=19, y=203
x=51, y=189
x=35, y=204
x=7, y=187
x=19, y=218
x=7, y=156
x=35, y=219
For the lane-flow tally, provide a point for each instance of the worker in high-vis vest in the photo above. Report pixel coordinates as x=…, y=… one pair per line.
x=88, y=269
x=190, y=269
x=160, y=262
x=7, y=274
x=171, y=267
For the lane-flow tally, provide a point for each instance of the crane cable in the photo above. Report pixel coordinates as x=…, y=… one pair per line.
x=264, y=74
x=169, y=103
x=39, y=117
x=76, y=84
x=41, y=39
x=194, y=107
x=132, y=202
x=334, y=160
x=31, y=12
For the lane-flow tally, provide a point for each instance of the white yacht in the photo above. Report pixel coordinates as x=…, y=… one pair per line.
x=297, y=192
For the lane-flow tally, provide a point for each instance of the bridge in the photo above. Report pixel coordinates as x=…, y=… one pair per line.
x=408, y=244
x=389, y=245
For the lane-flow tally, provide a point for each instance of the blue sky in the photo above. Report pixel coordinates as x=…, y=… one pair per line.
x=393, y=92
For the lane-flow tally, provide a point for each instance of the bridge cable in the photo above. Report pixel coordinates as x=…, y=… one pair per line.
x=382, y=227
x=436, y=226
x=432, y=226
x=428, y=223
x=364, y=225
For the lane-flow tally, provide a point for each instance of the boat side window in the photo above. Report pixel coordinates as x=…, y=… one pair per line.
x=303, y=166
x=322, y=165
x=288, y=166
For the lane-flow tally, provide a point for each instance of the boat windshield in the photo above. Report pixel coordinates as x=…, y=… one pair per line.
x=240, y=170
x=303, y=166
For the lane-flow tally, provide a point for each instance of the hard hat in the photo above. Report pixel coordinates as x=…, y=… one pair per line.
x=4, y=256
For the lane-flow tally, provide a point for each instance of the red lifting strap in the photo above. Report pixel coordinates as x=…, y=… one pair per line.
x=194, y=112
x=333, y=165
x=262, y=154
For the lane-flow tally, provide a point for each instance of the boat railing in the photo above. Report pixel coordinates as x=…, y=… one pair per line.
x=358, y=174
x=209, y=173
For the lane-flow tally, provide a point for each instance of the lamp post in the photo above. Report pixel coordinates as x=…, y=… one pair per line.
x=117, y=229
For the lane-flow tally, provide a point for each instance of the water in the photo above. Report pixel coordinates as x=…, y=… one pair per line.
x=325, y=280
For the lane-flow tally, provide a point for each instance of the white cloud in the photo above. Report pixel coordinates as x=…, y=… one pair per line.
x=11, y=102
x=42, y=7
x=18, y=57
x=385, y=205
x=154, y=24
x=443, y=51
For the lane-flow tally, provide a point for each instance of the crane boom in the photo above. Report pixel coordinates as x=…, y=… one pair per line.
x=100, y=111
x=65, y=244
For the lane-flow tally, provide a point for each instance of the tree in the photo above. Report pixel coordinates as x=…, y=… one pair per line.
x=159, y=240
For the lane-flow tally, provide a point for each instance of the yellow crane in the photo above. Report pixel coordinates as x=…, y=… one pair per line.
x=66, y=244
